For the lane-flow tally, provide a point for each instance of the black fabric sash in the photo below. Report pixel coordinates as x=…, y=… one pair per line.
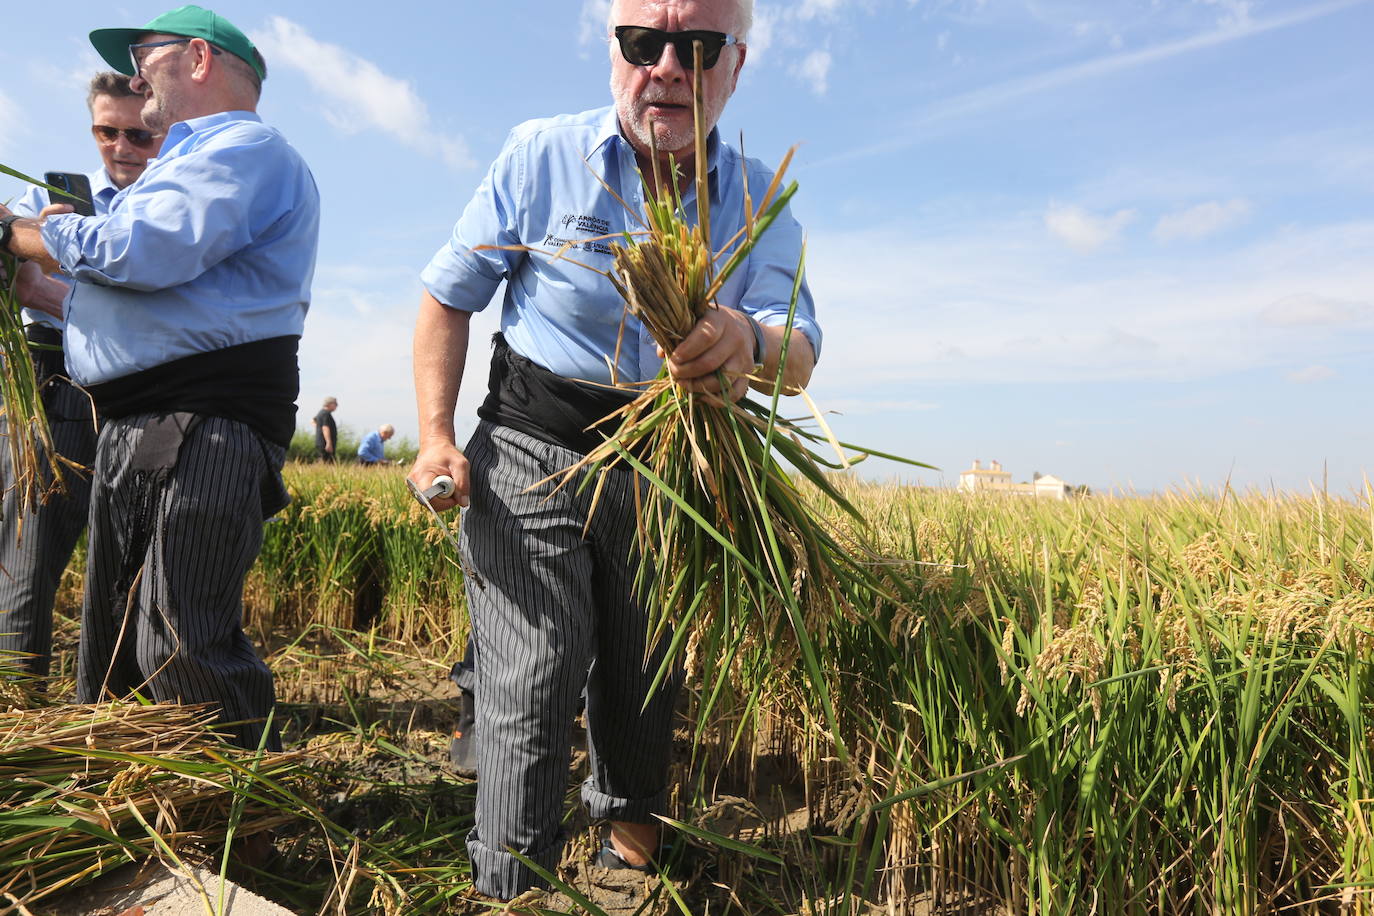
x=48, y=361
x=254, y=383
x=524, y=396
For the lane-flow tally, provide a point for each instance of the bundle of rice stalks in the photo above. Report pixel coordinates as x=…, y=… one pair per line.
x=84, y=789
x=36, y=466
x=733, y=553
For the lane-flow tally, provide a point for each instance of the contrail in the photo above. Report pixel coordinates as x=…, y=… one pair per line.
x=1002, y=93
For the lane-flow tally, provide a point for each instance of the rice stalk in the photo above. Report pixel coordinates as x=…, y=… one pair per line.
x=36, y=466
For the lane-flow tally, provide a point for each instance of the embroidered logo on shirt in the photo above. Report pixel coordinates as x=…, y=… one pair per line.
x=594, y=225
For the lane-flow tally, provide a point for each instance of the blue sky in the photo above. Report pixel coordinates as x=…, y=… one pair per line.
x=1127, y=242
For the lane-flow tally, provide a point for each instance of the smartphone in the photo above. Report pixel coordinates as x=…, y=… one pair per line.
x=77, y=188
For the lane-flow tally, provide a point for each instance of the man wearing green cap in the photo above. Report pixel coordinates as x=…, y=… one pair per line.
x=183, y=324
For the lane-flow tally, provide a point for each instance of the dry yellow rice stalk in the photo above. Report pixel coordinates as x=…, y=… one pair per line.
x=84, y=789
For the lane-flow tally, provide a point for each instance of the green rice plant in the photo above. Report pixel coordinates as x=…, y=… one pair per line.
x=1159, y=706
x=37, y=467
x=353, y=550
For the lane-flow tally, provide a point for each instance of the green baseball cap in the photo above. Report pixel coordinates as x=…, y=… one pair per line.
x=189, y=21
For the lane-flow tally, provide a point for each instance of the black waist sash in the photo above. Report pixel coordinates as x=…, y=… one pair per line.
x=524, y=396
x=48, y=360
x=254, y=383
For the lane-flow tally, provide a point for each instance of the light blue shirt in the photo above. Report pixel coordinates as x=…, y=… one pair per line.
x=32, y=202
x=372, y=449
x=213, y=246
x=541, y=192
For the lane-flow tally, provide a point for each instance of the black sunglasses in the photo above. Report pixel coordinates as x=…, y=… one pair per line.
x=135, y=48
x=137, y=136
x=643, y=46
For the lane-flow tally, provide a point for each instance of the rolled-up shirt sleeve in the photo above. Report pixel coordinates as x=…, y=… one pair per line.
x=772, y=269
x=170, y=228
x=30, y=203
x=459, y=276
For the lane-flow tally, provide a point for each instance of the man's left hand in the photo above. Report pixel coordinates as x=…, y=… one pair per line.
x=721, y=339
x=55, y=210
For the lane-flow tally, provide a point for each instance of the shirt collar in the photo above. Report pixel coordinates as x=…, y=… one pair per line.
x=183, y=129
x=609, y=134
x=102, y=183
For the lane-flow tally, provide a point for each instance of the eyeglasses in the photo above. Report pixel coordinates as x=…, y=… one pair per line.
x=135, y=135
x=643, y=46
x=134, y=49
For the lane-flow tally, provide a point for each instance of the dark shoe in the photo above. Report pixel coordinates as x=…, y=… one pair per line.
x=607, y=857
x=462, y=750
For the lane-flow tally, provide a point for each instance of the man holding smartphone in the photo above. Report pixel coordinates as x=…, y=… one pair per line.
x=33, y=563
x=184, y=325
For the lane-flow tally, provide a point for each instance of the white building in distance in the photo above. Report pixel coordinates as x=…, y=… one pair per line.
x=993, y=479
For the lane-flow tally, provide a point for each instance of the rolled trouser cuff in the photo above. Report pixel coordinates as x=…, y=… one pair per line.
x=499, y=874
x=603, y=807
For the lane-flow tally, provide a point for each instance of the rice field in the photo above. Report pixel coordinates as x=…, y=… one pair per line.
x=1119, y=705
x=1155, y=705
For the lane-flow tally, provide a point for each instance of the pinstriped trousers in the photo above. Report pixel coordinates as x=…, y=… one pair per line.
x=557, y=612
x=31, y=566
x=177, y=636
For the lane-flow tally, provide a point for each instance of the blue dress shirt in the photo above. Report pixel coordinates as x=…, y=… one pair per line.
x=541, y=192
x=32, y=202
x=213, y=246
x=372, y=449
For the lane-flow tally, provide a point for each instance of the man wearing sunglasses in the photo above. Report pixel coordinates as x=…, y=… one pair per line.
x=183, y=326
x=33, y=563
x=557, y=598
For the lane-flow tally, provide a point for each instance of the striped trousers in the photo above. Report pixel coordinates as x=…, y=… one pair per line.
x=555, y=611
x=163, y=612
x=31, y=565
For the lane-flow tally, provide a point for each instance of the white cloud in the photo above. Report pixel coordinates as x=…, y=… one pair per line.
x=356, y=94
x=814, y=70
x=1231, y=14
x=1305, y=310
x=1311, y=375
x=1085, y=231
x=761, y=35
x=795, y=26
x=811, y=9
x=1201, y=221
x=71, y=72
x=592, y=21
x=999, y=301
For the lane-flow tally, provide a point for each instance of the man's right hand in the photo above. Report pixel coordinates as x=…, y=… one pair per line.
x=436, y=460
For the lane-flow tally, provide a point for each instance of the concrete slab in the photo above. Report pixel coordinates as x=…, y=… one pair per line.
x=156, y=890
